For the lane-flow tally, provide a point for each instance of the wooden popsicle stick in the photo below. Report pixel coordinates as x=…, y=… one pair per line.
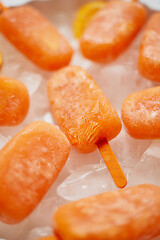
x=112, y=164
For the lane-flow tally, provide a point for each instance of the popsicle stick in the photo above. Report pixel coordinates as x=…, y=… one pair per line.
x=112, y=164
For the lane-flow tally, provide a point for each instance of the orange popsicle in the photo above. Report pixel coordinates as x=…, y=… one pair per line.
x=131, y=213
x=35, y=37
x=29, y=164
x=14, y=101
x=85, y=115
x=48, y=238
x=149, y=55
x=111, y=30
x=141, y=113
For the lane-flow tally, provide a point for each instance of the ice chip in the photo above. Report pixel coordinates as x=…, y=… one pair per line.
x=3, y=140
x=147, y=169
x=39, y=232
x=12, y=232
x=124, y=148
x=32, y=81
x=86, y=181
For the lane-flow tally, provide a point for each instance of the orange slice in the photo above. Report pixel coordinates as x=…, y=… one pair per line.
x=84, y=15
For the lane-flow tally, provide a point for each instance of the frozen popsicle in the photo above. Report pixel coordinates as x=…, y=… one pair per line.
x=111, y=30
x=85, y=115
x=35, y=37
x=141, y=113
x=149, y=54
x=14, y=101
x=29, y=164
x=48, y=238
x=131, y=213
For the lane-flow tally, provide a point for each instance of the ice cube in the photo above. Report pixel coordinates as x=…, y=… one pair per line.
x=124, y=148
x=78, y=159
x=13, y=232
x=39, y=232
x=86, y=181
x=31, y=80
x=147, y=169
x=3, y=140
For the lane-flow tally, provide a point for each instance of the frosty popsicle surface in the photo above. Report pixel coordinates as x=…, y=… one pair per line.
x=14, y=101
x=131, y=213
x=111, y=30
x=141, y=113
x=85, y=115
x=149, y=54
x=29, y=164
x=35, y=37
x=81, y=109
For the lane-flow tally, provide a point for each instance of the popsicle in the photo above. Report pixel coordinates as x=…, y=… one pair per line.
x=48, y=238
x=29, y=164
x=35, y=37
x=111, y=30
x=85, y=115
x=149, y=54
x=141, y=113
x=14, y=101
x=130, y=213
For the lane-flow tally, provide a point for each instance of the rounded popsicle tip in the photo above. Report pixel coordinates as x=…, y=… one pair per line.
x=111, y=215
x=149, y=54
x=14, y=101
x=29, y=164
x=121, y=182
x=36, y=37
x=140, y=114
x=110, y=32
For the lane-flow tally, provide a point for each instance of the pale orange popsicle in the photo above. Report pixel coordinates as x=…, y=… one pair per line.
x=131, y=213
x=35, y=37
x=141, y=113
x=14, y=101
x=29, y=164
x=149, y=55
x=111, y=30
x=84, y=114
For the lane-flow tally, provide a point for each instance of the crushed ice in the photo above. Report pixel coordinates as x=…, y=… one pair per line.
x=84, y=174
